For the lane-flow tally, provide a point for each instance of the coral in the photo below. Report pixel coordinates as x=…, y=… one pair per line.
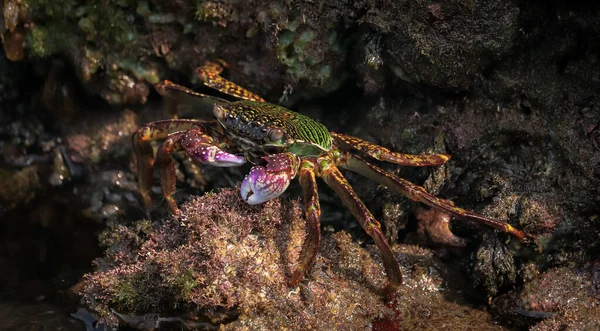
x=224, y=254
x=229, y=260
x=562, y=296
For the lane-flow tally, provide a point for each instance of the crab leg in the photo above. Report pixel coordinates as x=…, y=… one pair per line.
x=142, y=146
x=308, y=181
x=210, y=75
x=166, y=168
x=200, y=147
x=417, y=193
x=171, y=90
x=334, y=178
x=383, y=154
x=188, y=135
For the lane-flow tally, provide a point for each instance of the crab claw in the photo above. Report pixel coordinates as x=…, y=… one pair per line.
x=260, y=186
x=267, y=183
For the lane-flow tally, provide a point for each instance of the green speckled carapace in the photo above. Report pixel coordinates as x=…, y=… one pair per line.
x=271, y=125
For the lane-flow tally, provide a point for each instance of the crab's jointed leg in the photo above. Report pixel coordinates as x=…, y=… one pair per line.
x=266, y=183
x=142, y=147
x=308, y=181
x=198, y=146
x=417, y=193
x=210, y=75
x=383, y=154
x=166, y=167
x=187, y=135
x=334, y=178
x=174, y=91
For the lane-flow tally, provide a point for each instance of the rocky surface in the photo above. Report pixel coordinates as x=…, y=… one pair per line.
x=509, y=89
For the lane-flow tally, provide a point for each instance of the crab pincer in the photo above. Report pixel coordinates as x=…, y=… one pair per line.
x=202, y=149
x=268, y=182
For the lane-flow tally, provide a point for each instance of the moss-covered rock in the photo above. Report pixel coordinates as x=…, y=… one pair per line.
x=224, y=262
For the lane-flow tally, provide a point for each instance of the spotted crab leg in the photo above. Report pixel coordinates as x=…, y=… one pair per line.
x=166, y=167
x=210, y=75
x=334, y=178
x=174, y=91
x=200, y=147
x=383, y=154
x=417, y=193
x=308, y=181
x=187, y=135
x=142, y=147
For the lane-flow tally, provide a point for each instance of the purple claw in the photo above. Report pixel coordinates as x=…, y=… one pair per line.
x=201, y=148
x=263, y=184
x=212, y=155
x=260, y=186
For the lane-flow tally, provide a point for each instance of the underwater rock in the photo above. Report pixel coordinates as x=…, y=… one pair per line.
x=563, y=298
x=224, y=263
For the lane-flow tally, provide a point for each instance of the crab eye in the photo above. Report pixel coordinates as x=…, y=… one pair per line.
x=218, y=111
x=275, y=135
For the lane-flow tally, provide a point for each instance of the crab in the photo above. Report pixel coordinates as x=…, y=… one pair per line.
x=282, y=145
